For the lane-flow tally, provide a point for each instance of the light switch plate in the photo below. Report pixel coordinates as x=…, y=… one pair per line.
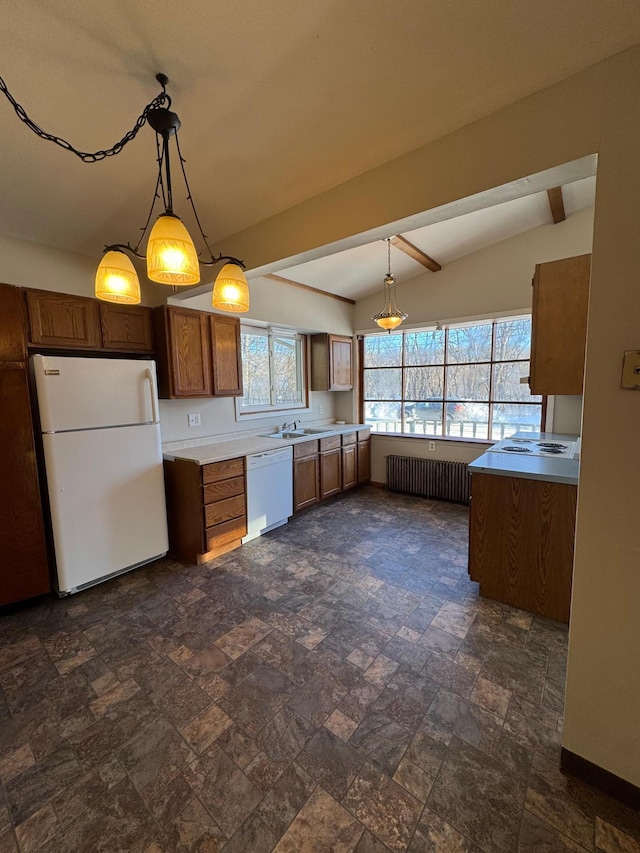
x=194, y=419
x=631, y=370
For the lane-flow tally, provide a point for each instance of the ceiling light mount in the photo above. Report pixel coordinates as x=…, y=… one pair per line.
x=171, y=255
x=390, y=317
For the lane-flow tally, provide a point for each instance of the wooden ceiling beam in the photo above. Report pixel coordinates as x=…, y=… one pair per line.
x=289, y=281
x=414, y=252
x=556, y=203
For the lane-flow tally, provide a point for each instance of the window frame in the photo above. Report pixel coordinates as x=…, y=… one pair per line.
x=444, y=401
x=302, y=362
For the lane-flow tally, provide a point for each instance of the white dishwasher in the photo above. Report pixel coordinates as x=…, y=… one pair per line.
x=269, y=490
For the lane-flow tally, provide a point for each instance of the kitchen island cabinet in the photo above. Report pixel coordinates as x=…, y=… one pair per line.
x=521, y=533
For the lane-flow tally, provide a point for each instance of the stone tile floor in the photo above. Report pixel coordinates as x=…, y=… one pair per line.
x=335, y=686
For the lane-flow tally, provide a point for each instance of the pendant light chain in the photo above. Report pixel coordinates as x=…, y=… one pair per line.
x=86, y=156
x=388, y=256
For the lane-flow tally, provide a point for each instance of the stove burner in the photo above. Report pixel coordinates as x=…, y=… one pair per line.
x=510, y=449
x=521, y=440
x=552, y=450
x=553, y=446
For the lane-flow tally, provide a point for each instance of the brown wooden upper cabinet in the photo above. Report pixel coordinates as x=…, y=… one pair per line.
x=559, y=325
x=126, y=328
x=225, y=350
x=13, y=343
x=198, y=353
x=61, y=320
x=331, y=363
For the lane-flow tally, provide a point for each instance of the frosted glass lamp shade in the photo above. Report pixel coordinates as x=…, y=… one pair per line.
x=389, y=323
x=231, y=290
x=171, y=255
x=116, y=279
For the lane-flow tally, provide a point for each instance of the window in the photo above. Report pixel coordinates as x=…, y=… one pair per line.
x=462, y=382
x=272, y=370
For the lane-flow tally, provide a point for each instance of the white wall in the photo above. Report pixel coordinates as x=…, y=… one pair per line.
x=488, y=283
x=218, y=416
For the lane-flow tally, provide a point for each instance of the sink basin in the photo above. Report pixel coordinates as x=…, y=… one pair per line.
x=299, y=433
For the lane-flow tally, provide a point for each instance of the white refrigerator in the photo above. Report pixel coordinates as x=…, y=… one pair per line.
x=103, y=460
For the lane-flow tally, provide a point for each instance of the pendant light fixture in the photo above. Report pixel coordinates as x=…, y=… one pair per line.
x=171, y=255
x=390, y=317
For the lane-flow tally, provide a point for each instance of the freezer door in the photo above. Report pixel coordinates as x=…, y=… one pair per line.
x=86, y=393
x=106, y=489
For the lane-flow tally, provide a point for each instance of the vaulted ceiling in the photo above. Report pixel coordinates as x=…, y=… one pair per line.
x=279, y=100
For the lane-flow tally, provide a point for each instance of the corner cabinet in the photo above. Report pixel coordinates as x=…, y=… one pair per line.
x=198, y=353
x=331, y=363
x=559, y=325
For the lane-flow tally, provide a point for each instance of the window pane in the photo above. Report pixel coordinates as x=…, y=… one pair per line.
x=383, y=351
x=468, y=420
x=285, y=367
x=255, y=370
x=383, y=384
x=473, y=343
x=506, y=382
x=513, y=339
x=383, y=417
x=424, y=347
x=468, y=382
x=513, y=417
x=423, y=418
x=423, y=383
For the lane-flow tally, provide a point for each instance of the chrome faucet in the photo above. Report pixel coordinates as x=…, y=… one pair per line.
x=286, y=426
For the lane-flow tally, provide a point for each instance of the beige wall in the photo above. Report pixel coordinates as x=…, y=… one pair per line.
x=27, y=264
x=594, y=111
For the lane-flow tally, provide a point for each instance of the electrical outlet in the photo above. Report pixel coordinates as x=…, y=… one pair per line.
x=194, y=419
x=432, y=446
x=321, y=410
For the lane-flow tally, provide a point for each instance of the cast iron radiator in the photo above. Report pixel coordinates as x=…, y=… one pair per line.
x=429, y=478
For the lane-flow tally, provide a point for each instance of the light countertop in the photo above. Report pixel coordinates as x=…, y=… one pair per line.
x=548, y=468
x=220, y=451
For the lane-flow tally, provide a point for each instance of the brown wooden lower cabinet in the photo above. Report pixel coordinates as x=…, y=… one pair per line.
x=521, y=542
x=349, y=466
x=364, y=461
x=24, y=568
x=206, y=508
x=306, y=475
x=330, y=466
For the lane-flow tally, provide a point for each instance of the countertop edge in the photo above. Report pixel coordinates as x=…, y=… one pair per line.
x=246, y=446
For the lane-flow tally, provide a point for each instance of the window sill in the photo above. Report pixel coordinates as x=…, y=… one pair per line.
x=456, y=439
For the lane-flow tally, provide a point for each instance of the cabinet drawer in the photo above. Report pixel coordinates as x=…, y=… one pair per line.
x=222, y=470
x=223, y=489
x=331, y=443
x=364, y=435
x=224, y=510
x=221, y=534
x=305, y=448
x=349, y=438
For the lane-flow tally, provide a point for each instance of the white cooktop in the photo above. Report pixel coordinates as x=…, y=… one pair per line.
x=558, y=448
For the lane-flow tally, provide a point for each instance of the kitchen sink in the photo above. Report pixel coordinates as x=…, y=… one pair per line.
x=299, y=433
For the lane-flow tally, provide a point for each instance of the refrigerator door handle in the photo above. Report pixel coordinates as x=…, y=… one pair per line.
x=154, y=395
